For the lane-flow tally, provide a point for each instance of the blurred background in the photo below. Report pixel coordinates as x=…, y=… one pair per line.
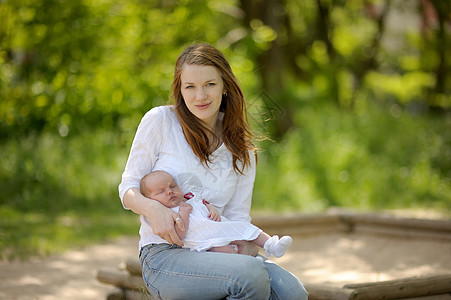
x=354, y=96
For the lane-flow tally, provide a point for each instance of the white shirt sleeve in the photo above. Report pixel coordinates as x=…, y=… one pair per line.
x=144, y=151
x=239, y=206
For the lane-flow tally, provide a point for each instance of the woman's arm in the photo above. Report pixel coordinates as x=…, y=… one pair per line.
x=146, y=146
x=161, y=217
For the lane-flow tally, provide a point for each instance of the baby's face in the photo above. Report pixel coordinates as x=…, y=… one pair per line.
x=164, y=189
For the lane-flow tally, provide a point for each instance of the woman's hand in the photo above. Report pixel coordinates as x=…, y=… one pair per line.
x=163, y=222
x=185, y=207
x=162, y=219
x=245, y=247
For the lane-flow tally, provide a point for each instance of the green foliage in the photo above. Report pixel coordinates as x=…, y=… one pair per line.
x=364, y=160
x=61, y=192
x=50, y=173
x=100, y=64
x=103, y=64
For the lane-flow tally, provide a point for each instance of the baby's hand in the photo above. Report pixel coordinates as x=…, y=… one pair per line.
x=213, y=212
x=185, y=207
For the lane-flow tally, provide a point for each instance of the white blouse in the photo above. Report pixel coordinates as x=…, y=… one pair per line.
x=159, y=144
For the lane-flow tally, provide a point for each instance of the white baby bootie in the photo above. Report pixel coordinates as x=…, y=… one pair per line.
x=277, y=247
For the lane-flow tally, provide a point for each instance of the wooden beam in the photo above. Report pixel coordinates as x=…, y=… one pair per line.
x=324, y=292
x=403, y=288
x=133, y=267
x=137, y=295
x=120, y=279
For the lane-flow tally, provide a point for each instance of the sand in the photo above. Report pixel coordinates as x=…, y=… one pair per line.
x=332, y=259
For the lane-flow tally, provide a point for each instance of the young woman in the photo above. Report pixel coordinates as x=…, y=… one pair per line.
x=204, y=142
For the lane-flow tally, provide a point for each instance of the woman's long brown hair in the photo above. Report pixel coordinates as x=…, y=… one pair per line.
x=236, y=132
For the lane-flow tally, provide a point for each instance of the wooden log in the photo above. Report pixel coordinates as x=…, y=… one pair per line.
x=433, y=297
x=414, y=223
x=400, y=232
x=129, y=294
x=396, y=226
x=137, y=295
x=403, y=288
x=115, y=294
x=121, y=280
x=133, y=266
x=344, y=221
x=324, y=292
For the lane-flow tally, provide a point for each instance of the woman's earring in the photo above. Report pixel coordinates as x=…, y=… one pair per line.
x=225, y=94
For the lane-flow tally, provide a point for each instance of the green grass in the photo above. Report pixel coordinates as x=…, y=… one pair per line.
x=58, y=193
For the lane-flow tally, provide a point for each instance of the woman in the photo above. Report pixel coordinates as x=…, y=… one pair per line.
x=204, y=142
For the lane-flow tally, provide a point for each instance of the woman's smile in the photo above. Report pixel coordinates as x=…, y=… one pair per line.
x=203, y=106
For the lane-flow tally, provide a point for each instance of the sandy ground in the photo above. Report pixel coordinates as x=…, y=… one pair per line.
x=339, y=259
x=334, y=259
x=71, y=275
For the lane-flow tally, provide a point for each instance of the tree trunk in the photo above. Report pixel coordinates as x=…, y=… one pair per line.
x=271, y=62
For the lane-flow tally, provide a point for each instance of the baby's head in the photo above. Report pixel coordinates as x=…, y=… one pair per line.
x=161, y=186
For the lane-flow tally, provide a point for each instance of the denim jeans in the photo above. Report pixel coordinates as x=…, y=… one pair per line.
x=172, y=272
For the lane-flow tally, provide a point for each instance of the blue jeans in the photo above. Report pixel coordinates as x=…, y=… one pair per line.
x=172, y=272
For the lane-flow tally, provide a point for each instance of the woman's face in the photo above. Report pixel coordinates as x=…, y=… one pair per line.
x=202, y=89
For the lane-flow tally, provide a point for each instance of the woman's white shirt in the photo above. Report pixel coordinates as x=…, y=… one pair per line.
x=159, y=144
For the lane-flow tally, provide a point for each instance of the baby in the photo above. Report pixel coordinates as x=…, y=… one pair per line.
x=206, y=229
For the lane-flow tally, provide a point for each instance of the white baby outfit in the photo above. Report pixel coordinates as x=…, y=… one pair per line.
x=204, y=233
